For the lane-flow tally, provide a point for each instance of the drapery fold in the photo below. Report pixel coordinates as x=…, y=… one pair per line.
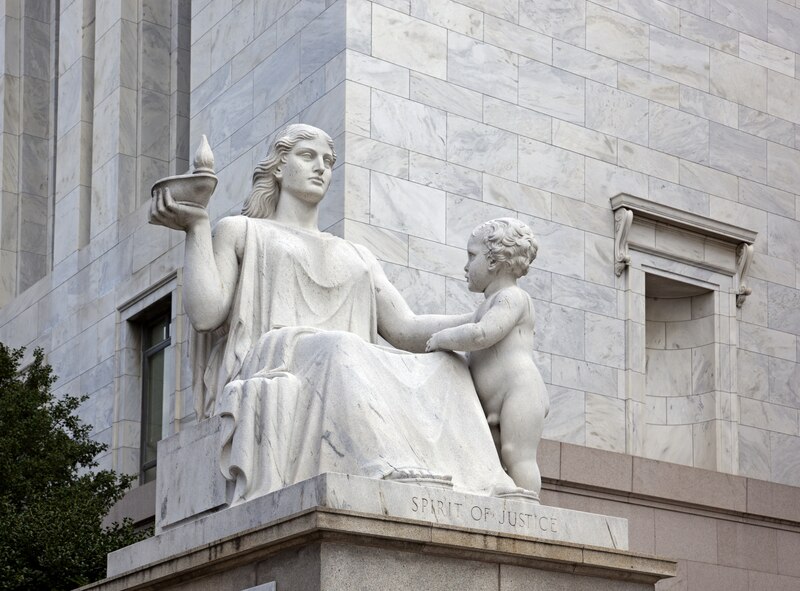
x=304, y=389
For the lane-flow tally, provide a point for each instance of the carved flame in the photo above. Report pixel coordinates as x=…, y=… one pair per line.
x=204, y=157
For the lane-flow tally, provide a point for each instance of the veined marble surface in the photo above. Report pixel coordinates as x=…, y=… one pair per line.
x=390, y=500
x=444, y=112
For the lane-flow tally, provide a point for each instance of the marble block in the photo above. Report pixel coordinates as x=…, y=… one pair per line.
x=187, y=488
x=392, y=502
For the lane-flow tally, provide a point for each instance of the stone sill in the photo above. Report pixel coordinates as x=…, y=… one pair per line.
x=138, y=504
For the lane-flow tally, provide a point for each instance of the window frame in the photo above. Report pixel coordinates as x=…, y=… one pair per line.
x=157, y=298
x=153, y=316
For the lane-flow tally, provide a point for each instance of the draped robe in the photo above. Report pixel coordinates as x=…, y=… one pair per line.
x=303, y=387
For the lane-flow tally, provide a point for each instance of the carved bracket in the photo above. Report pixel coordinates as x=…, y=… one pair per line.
x=623, y=218
x=739, y=239
x=744, y=256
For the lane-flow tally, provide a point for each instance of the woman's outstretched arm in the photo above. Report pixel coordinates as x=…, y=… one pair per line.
x=211, y=264
x=399, y=325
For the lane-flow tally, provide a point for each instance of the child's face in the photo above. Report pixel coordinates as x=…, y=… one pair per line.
x=477, y=270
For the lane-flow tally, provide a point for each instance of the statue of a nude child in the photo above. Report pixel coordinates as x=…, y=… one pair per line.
x=499, y=340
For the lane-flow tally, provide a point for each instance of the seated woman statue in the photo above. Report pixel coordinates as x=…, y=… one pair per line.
x=288, y=320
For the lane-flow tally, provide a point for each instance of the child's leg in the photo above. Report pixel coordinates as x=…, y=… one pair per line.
x=494, y=427
x=521, y=425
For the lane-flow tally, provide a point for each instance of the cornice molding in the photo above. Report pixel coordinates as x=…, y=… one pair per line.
x=686, y=220
x=627, y=207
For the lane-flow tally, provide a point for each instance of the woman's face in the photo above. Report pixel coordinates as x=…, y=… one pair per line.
x=306, y=172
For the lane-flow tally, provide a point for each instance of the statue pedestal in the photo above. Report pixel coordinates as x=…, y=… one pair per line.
x=343, y=532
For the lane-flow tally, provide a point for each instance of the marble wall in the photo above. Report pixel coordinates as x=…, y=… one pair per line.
x=544, y=110
x=117, y=121
x=445, y=114
x=25, y=127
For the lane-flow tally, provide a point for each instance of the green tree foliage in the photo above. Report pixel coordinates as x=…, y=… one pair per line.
x=51, y=501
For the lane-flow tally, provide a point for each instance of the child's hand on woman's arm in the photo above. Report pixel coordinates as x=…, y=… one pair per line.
x=434, y=343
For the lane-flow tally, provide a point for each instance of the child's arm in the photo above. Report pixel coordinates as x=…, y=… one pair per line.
x=498, y=321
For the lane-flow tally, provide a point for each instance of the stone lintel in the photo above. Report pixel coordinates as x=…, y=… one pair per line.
x=627, y=207
x=687, y=220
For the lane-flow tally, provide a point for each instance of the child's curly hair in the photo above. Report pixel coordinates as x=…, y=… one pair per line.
x=509, y=242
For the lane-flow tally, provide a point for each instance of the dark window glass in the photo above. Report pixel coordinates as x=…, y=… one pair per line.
x=155, y=340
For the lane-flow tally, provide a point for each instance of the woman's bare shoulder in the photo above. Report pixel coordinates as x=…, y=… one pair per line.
x=231, y=231
x=365, y=253
x=230, y=224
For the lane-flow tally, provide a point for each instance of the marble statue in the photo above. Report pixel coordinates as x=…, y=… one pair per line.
x=499, y=339
x=286, y=349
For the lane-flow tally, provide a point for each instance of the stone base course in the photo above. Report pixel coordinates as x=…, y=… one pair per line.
x=326, y=549
x=392, y=502
x=727, y=533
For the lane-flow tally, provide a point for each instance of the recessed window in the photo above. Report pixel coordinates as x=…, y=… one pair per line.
x=684, y=276
x=155, y=340
x=681, y=353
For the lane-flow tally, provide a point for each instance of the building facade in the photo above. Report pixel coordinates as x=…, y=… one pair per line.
x=667, y=319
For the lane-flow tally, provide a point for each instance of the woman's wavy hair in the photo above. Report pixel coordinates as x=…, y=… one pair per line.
x=508, y=242
x=263, y=199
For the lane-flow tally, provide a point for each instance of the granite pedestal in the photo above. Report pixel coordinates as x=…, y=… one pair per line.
x=336, y=531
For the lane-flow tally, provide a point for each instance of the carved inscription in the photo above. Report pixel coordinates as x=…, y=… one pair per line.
x=483, y=516
x=436, y=508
